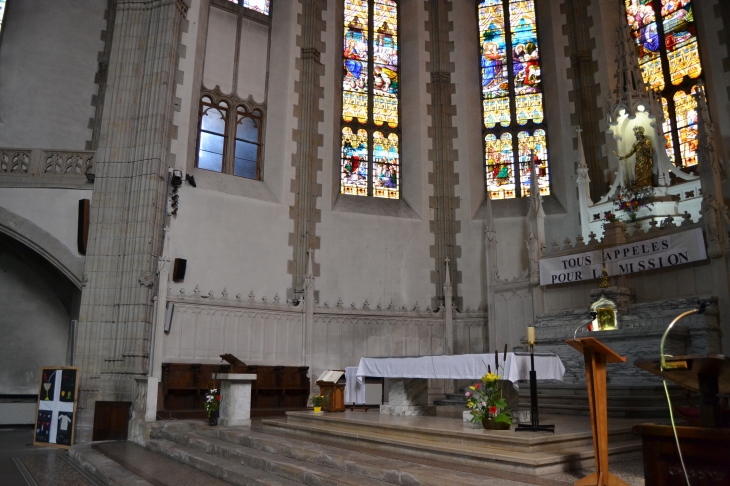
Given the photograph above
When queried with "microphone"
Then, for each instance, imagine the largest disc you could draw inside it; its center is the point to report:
(702, 307)
(593, 317)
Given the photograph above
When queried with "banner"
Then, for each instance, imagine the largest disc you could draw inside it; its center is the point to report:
(662, 252)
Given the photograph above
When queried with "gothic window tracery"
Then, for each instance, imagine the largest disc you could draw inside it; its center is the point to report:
(370, 130)
(669, 59)
(230, 136)
(512, 98)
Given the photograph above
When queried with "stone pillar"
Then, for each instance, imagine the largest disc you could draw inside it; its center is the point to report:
(128, 209)
(407, 396)
(443, 179)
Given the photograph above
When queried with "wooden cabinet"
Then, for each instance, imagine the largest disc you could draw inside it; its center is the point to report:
(111, 420)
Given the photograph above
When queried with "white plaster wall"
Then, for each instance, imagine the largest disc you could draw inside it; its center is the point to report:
(33, 325)
(253, 60)
(220, 50)
(230, 242)
(53, 210)
(234, 232)
(368, 256)
(557, 119)
(48, 60)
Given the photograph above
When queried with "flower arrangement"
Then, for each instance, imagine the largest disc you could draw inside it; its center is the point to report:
(317, 401)
(632, 198)
(609, 216)
(212, 401)
(486, 401)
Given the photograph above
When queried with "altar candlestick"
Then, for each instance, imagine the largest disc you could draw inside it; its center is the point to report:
(531, 335)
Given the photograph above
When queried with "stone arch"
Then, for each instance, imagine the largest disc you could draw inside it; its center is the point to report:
(44, 244)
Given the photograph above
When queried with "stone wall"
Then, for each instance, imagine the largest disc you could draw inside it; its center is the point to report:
(638, 337)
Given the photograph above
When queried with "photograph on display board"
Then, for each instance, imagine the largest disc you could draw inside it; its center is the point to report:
(56, 407)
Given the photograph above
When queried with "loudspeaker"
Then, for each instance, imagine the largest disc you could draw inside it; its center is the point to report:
(178, 271)
(82, 236)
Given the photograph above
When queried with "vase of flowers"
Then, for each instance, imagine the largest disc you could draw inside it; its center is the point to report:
(487, 403)
(317, 403)
(632, 198)
(212, 404)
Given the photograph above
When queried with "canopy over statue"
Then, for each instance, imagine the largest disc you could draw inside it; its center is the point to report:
(643, 171)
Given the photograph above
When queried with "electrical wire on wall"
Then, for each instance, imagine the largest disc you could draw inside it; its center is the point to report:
(700, 310)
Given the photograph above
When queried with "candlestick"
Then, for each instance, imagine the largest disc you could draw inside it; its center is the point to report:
(531, 335)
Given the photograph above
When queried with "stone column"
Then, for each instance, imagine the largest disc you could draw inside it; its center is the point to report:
(128, 209)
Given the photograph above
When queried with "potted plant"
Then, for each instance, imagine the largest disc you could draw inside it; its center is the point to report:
(487, 403)
(212, 404)
(317, 401)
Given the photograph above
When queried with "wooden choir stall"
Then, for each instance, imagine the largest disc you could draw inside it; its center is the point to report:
(276, 390)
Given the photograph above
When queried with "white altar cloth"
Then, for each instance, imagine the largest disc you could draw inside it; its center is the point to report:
(462, 367)
(354, 388)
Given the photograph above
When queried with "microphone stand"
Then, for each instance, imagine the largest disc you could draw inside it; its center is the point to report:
(535, 420)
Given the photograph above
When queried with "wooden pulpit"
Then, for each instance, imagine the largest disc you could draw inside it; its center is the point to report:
(596, 355)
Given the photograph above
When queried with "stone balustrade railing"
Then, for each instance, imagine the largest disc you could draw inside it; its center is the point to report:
(45, 167)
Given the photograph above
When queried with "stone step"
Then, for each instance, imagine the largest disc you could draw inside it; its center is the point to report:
(219, 466)
(613, 412)
(268, 460)
(505, 451)
(103, 469)
(326, 464)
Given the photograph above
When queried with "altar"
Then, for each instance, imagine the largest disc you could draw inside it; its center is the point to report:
(407, 375)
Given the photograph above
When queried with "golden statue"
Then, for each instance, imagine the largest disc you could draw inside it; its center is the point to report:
(643, 174)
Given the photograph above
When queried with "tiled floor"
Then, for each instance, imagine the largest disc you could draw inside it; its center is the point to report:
(44, 466)
(49, 467)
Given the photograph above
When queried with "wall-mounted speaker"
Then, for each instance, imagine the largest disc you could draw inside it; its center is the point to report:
(82, 236)
(178, 270)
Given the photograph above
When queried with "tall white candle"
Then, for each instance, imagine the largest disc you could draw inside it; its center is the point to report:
(531, 335)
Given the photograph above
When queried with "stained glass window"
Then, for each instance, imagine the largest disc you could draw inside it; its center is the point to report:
(512, 98)
(669, 58)
(261, 6)
(370, 157)
(2, 13)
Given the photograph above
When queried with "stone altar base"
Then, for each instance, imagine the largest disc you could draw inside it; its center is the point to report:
(406, 397)
(235, 407)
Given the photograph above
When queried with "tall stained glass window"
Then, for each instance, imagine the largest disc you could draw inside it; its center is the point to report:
(261, 6)
(670, 64)
(514, 131)
(370, 150)
(2, 13)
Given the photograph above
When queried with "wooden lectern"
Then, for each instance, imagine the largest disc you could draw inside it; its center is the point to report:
(596, 356)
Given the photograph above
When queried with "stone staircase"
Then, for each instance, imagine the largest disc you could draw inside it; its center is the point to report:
(448, 441)
(623, 401)
(241, 456)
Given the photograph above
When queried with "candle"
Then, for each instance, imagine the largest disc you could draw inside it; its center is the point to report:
(531, 335)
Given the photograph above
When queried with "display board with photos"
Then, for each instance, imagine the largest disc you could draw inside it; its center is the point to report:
(56, 410)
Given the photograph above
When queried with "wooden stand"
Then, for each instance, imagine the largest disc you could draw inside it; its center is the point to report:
(596, 356)
(334, 396)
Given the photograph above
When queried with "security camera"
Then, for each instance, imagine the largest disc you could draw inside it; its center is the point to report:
(177, 178)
